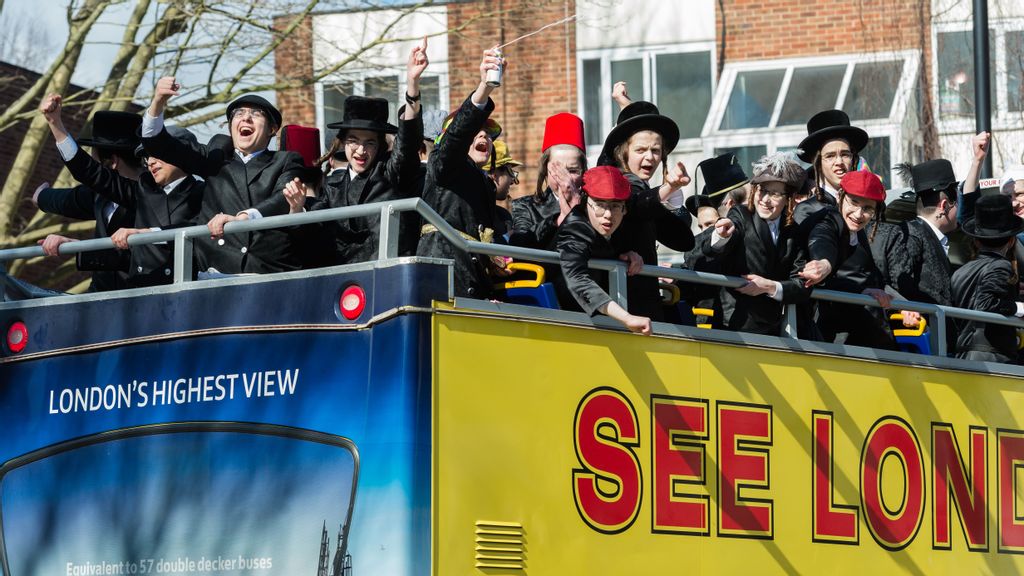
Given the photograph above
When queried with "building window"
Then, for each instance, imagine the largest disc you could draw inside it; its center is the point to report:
(763, 107)
(678, 79)
(954, 65)
(1015, 70)
(956, 72)
(390, 87)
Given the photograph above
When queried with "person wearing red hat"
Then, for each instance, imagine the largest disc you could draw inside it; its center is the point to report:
(989, 283)
(760, 242)
(536, 217)
(839, 258)
(460, 191)
(587, 233)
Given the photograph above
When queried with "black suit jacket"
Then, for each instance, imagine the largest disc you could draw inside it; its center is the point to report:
(645, 224)
(151, 264)
(750, 250)
(463, 195)
(395, 175)
(231, 187)
(984, 284)
(109, 267)
(577, 243)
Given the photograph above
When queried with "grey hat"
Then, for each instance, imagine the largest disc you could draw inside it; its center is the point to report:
(177, 132)
(780, 167)
(432, 123)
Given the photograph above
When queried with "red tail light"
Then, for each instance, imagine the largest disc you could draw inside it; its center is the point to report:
(352, 302)
(17, 337)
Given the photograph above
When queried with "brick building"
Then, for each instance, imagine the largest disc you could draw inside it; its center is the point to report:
(741, 75)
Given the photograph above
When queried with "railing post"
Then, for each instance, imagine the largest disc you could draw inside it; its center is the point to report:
(3, 282)
(617, 285)
(182, 257)
(388, 238)
(789, 327)
(938, 334)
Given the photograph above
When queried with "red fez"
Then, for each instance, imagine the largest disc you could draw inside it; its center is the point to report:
(563, 128)
(606, 183)
(304, 140)
(864, 184)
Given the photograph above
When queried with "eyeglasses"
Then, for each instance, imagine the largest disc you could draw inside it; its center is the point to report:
(868, 211)
(254, 113)
(775, 196)
(602, 208)
(833, 157)
(356, 143)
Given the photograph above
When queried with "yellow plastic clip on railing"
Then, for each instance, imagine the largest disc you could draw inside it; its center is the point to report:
(916, 331)
(669, 293)
(706, 312)
(1020, 339)
(528, 283)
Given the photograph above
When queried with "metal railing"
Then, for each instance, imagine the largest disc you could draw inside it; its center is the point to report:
(388, 248)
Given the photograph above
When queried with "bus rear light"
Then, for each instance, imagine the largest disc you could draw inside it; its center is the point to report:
(17, 337)
(352, 302)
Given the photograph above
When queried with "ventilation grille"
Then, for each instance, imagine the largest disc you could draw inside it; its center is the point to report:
(500, 545)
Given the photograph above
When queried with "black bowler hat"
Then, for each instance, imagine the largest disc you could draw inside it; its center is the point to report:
(993, 219)
(363, 113)
(830, 125)
(114, 130)
(637, 117)
(256, 102)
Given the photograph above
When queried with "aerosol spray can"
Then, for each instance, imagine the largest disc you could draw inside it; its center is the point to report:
(494, 76)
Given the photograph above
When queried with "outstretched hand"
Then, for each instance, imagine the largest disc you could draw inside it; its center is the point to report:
(815, 272)
(418, 61)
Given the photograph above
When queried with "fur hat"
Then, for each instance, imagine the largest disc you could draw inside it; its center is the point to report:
(780, 167)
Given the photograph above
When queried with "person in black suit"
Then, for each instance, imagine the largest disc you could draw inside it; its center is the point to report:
(989, 282)
(759, 241)
(460, 191)
(113, 141)
(832, 148)
(839, 258)
(249, 184)
(638, 145)
(374, 174)
(163, 197)
(587, 233)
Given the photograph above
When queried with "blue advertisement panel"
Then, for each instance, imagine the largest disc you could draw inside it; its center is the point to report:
(299, 452)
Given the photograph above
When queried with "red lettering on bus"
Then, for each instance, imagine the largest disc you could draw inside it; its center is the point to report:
(679, 430)
(892, 438)
(744, 436)
(968, 489)
(1010, 459)
(608, 487)
(832, 523)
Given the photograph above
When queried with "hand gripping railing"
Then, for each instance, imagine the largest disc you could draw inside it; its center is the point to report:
(388, 248)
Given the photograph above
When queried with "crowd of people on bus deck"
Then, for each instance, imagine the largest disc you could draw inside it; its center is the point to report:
(785, 229)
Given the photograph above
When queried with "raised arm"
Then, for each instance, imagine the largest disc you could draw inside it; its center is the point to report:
(193, 158)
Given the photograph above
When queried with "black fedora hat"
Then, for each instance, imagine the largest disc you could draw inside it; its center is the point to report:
(830, 125)
(932, 176)
(637, 117)
(698, 201)
(256, 102)
(721, 174)
(363, 113)
(993, 219)
(114, 130)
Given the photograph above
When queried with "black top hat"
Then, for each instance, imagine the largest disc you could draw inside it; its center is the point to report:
(114, 130)
(721, 174)
(363, 113)
(634, 118)
(993, 219)
(256, 102)
(830, 125)
(178, 133)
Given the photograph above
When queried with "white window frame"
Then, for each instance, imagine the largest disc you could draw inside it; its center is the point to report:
(773, 137)
(1002, 117)
(646, 92)
(359, 78)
